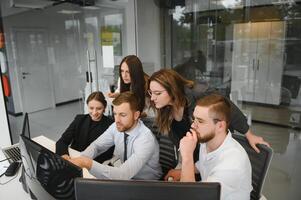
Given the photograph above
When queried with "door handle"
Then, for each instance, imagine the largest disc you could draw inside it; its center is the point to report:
(25, 73)
(257, 65)
(253, 66)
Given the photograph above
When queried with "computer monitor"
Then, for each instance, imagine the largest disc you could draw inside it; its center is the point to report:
(95, 189)
(47, 175)
(26, 129)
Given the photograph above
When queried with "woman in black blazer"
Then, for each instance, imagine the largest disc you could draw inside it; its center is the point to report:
(86, 128)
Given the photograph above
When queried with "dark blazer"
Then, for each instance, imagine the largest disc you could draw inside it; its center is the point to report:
(79, 136)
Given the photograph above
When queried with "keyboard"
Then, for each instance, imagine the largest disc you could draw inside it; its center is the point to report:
(12, 152)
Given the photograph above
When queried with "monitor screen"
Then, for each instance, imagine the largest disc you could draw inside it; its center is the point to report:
(26, 129)
(94, 189)
(47, 175)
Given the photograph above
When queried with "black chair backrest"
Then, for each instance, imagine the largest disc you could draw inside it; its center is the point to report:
(259, 161)
(168, 153)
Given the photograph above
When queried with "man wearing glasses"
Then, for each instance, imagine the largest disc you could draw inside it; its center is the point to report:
(221, 158)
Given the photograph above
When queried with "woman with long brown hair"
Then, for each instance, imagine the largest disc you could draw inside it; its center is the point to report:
(132, 78)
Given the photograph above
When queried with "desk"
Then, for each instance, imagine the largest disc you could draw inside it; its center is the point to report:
(14, 189)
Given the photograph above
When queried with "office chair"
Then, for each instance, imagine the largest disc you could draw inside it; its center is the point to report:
(260, 163)
(168, 152)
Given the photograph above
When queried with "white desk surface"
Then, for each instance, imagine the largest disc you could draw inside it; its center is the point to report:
(14, 189)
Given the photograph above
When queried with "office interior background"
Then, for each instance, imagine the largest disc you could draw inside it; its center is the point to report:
(248, 49)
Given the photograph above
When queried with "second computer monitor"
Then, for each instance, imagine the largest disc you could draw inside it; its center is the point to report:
(47, 175)
(26, 128)
(144, 190)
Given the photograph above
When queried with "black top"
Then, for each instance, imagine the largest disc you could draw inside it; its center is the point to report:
(179, 130)
(81, 133)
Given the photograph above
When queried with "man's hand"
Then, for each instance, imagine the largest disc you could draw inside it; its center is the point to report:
(188, 144)
(82, 162)
(253, 140)
(113, 95)
(66, 157)
(174, 173)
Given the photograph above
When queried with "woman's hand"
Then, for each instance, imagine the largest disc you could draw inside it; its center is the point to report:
(254, 139)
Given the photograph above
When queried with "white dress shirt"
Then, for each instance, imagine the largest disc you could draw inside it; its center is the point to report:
(142, 154)
(230, 166)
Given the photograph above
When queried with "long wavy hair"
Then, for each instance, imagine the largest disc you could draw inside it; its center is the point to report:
(175, 85)
(139, 81)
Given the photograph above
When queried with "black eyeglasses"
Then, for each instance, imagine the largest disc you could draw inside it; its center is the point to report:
(195, 120)
(200, 121)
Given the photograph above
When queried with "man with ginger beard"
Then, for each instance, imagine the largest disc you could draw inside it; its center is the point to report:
(135, 145)
(221, 158)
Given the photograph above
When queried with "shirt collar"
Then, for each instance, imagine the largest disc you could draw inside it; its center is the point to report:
(132, 133)
(216, 152)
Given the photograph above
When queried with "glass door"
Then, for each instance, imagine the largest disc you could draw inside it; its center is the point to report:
(58, 55)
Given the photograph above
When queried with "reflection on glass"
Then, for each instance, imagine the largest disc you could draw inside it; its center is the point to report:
(250, 47)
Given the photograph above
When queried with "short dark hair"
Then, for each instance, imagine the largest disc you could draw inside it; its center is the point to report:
(219, 107)
(127, 97)
(98, 96)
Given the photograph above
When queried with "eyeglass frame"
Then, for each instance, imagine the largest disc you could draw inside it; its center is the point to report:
(197, 121)
(156, 93)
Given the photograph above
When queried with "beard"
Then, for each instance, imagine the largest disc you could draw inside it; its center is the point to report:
(122, 128)
(205, 138)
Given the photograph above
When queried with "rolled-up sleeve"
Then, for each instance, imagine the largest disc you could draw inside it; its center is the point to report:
(144, 148)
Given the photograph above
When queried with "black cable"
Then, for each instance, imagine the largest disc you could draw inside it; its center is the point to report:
(30, 176)
(11, 178)
(5, 159)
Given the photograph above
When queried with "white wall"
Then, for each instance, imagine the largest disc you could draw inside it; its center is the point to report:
(148, 28)
(65, 55)
(4, 133)
(68, 59)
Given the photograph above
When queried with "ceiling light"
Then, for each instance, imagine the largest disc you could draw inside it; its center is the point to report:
(68, 12)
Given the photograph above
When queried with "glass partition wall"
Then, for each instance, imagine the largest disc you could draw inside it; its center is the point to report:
(246, 49)
(57, 54)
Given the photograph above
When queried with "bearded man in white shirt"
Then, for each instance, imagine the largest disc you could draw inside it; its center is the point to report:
(221, 158)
